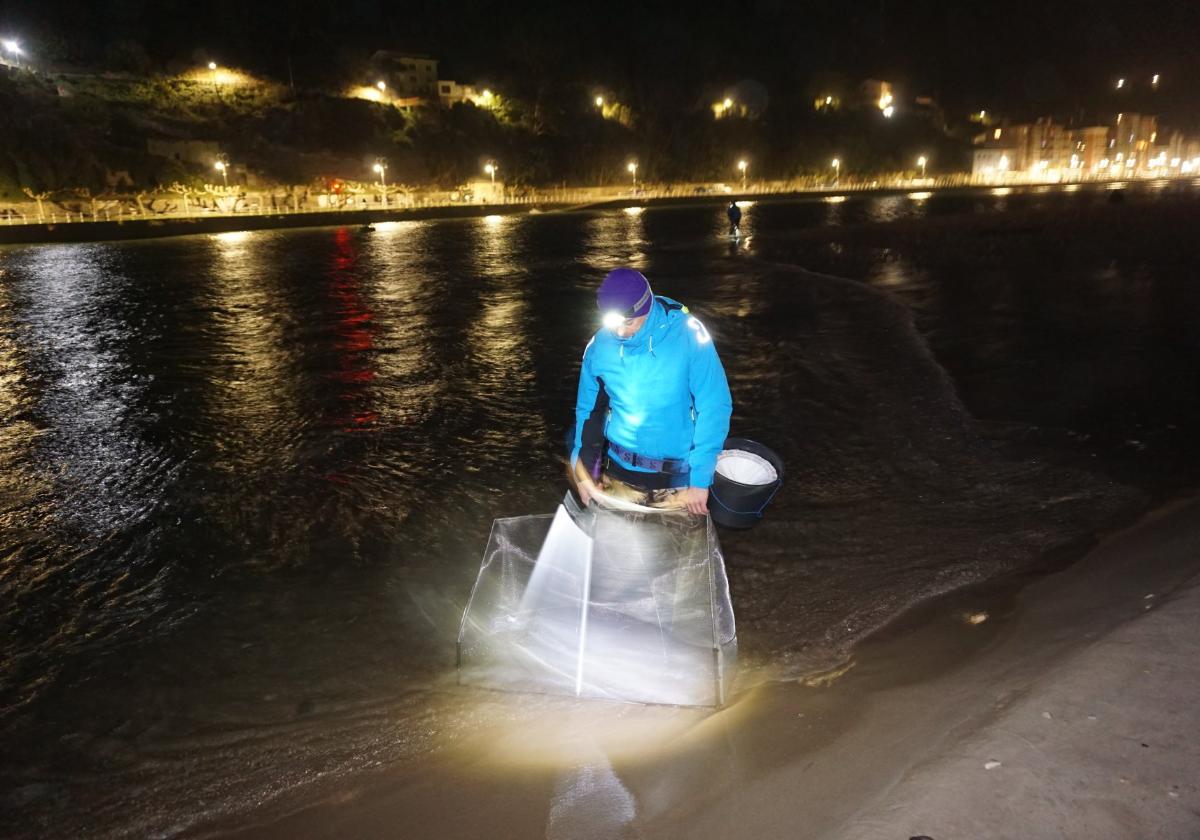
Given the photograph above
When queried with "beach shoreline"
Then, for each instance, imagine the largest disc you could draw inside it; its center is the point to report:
(901, 743)
(157, 227)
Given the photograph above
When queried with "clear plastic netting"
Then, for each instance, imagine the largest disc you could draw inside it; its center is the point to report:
(600, 603)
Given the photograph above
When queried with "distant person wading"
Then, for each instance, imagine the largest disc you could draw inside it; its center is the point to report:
(653, 406)
(735, 218)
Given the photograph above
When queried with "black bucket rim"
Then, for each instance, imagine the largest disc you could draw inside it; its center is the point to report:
(766, 454)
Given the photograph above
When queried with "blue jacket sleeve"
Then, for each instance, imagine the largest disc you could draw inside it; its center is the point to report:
(585, 401)
(712, 403)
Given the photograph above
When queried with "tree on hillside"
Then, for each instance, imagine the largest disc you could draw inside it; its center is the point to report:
(39, 198)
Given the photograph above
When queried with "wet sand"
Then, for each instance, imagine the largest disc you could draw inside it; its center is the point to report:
(1080, 684)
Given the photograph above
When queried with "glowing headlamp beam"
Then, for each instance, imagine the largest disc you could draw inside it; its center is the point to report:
(614, 319)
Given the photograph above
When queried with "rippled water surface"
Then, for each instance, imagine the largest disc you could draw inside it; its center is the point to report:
(245, 479)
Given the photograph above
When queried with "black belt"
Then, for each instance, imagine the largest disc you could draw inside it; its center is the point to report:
(670, 466)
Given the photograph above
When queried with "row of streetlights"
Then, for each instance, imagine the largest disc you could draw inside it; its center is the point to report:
(836, 164)
(491, 168)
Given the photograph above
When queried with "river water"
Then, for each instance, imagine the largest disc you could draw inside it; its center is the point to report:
(246, 479)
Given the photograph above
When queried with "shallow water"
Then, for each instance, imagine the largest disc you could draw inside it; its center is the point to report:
(245, 479)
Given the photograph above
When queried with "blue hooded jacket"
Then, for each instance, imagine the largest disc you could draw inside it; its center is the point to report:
(667, 392)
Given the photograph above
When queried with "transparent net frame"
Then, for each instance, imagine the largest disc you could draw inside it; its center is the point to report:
(620, 605)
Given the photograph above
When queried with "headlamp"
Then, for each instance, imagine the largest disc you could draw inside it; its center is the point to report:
(613, 319)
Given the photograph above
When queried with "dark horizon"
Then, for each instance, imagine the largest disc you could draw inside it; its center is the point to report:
(1023, 62)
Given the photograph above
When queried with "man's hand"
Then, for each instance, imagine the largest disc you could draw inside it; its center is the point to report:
(695, 499)
(586, 490)
(584, 486)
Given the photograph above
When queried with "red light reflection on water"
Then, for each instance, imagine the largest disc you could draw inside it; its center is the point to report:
(354, 335)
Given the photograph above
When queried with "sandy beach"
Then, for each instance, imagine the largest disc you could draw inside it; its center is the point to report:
(1059, 708)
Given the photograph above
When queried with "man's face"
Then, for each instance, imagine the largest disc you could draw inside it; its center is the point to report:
(629, 327)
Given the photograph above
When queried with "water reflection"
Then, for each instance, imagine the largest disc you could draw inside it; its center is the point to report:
(252, 389)
(21, 487)
(834, 209)
(889, 208)
(404, 338)
(617, 239)
(80, 346)
(353, 338)
(500, 344)
(891, 273)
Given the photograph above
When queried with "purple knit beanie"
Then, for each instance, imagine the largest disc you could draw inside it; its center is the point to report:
(625, 291)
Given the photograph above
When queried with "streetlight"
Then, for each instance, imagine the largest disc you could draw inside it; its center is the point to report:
(599, 101)
(490, 169)
(837, 169)
(212, 65)
(381, 168)
(632, 167)
(222, 166)
(742, 165)
(1120, 83)
(921, 161)
(382, 85)
(13, 46)
(1154, 80)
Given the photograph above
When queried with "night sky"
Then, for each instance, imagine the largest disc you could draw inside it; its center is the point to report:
(1023, 59)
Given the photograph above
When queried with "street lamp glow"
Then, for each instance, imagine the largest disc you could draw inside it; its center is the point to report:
(490, 168)
(1003, 165)
(13, 46)
(728, 103)
(599, 101)
(632, 168)
(742, 166)
(222, 166)
(380, 168)
(921, 161)
(212, 65)
(381, 84)
(1120, 83)
(888, 111)
(1154, 80)
(836, 163)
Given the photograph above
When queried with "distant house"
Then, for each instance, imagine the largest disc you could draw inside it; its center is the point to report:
(875, 93)
(451, 92)
(994, 161)
(407, 74)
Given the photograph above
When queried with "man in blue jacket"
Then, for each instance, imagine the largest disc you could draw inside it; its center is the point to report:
(653, 407)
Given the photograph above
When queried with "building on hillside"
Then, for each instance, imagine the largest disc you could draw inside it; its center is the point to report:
(450, 92)
(993, 161)
(406, 74)
(875, 93)
(1042, 148)
(1091, 146)
(1132, 137)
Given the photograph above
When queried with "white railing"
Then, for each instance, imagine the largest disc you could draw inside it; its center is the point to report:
(258, 204)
